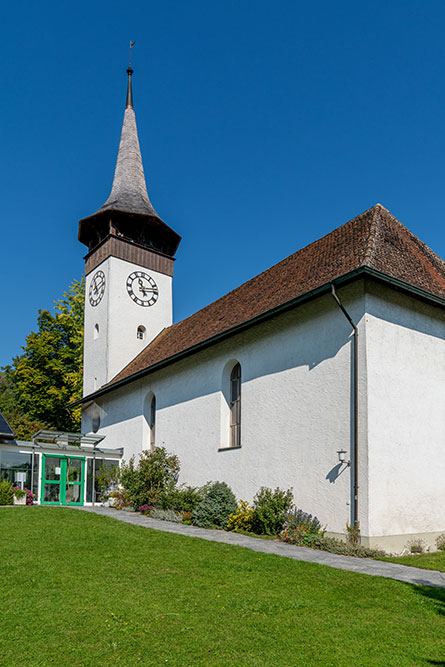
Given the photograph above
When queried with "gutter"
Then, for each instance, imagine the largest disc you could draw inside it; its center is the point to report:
(355, 520)
(307, 296)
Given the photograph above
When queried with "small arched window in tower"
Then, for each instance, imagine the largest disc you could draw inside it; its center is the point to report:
(235, 406)
(152, 422)
(96, 331)
(96, 423)
(140, 333)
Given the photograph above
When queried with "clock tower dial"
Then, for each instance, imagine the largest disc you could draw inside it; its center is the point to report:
(97, 288)
(142, 289)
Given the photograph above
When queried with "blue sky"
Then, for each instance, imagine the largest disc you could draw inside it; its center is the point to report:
(263, 126)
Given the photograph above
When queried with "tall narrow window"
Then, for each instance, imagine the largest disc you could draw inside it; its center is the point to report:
(140, 333)
(235, 406)
(152, 423)
(96, 331)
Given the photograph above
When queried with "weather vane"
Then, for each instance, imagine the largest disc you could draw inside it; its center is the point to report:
(129, 58)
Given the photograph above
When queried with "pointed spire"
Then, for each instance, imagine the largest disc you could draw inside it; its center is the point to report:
(129, 89)
(129, 190)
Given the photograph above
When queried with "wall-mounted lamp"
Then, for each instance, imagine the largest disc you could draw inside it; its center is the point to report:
(342, 457)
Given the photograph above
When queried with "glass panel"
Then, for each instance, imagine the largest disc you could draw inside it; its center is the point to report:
(12, 463)
(51, 493)
(74, 470)
(35, 490)
(73, 493)
(100, 463)
(52, 467)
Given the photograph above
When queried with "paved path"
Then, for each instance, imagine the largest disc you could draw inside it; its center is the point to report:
(410, 575)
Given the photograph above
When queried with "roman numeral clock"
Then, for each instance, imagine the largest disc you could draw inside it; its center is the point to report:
(142, 289)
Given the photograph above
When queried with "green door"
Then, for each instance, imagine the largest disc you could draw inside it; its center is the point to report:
(62, 480)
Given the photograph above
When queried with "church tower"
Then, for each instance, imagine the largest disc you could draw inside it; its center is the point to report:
(128, 267)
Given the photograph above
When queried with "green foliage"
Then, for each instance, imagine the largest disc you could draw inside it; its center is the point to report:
(353, 533)
(120, 499)
(302, 538)
(241, 520)
(440, 542)
(153, 478)
(270, 508)
(18, 492)
(183, 498)
(416, 546)
(166, 515)
(214, 511)
(106, 477)
(35, 390)
(6, 493)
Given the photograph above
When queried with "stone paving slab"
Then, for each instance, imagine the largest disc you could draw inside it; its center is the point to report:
(410, 575)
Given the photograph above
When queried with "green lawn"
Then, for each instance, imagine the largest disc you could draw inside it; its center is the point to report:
(79, 589)
(429, 561)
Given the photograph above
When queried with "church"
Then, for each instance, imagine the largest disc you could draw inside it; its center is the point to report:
(324, 374)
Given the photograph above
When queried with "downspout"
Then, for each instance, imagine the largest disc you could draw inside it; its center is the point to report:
(355, 406)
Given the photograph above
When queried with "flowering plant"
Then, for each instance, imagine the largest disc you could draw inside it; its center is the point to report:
(146, 509)
(242, 518)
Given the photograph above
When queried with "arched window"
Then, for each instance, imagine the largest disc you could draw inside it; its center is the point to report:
(152, 422)
(96, 331)
(96, 423)
(235, 406)
(140, 333)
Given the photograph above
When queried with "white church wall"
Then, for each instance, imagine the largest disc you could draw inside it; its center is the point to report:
(118, 318)
(296, 410)
(406, 413)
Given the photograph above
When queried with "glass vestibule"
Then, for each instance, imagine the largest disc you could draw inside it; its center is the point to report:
(63, 479)
(13, 462)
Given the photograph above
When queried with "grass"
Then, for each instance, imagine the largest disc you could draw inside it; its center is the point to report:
(428, 561)
(80, 589)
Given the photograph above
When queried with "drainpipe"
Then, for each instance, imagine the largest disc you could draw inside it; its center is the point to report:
(355, 406)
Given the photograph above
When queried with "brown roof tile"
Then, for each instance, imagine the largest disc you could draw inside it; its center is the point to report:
(374, 239)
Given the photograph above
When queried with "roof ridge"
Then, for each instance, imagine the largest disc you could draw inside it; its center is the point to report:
(372, 238)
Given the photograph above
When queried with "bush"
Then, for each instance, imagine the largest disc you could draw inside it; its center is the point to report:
(183, 499)
(440, 542)
(146, 509)
(153, 478)
(214, 511)
(242, 518)
(270, 509)
(6, 493)
(29, 497)
(416, 546)
(166, 515)
(120, 499)
(331, 544)
(298, 518)
(18, 492)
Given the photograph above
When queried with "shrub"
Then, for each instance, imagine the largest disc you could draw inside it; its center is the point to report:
(6, 494)
(416, 546)
(107, 479)
(270, 509)
(153, 478)
(242, 518)
(29, 497)
(331, 544)
(18, 492)
(120, 499)
(299, 519)
(353, 533)
(183, 498)
(166, 515)
(214, 511)
(146, 509)
(440, 542)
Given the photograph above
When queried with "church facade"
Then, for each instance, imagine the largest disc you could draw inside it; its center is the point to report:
(325, 373)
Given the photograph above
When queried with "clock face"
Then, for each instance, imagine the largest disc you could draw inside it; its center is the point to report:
(142, 288)
(97, 288)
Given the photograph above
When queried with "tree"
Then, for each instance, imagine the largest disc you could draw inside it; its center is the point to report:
(34, 392)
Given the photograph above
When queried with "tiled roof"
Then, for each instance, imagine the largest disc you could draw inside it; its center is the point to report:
(374, 239)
